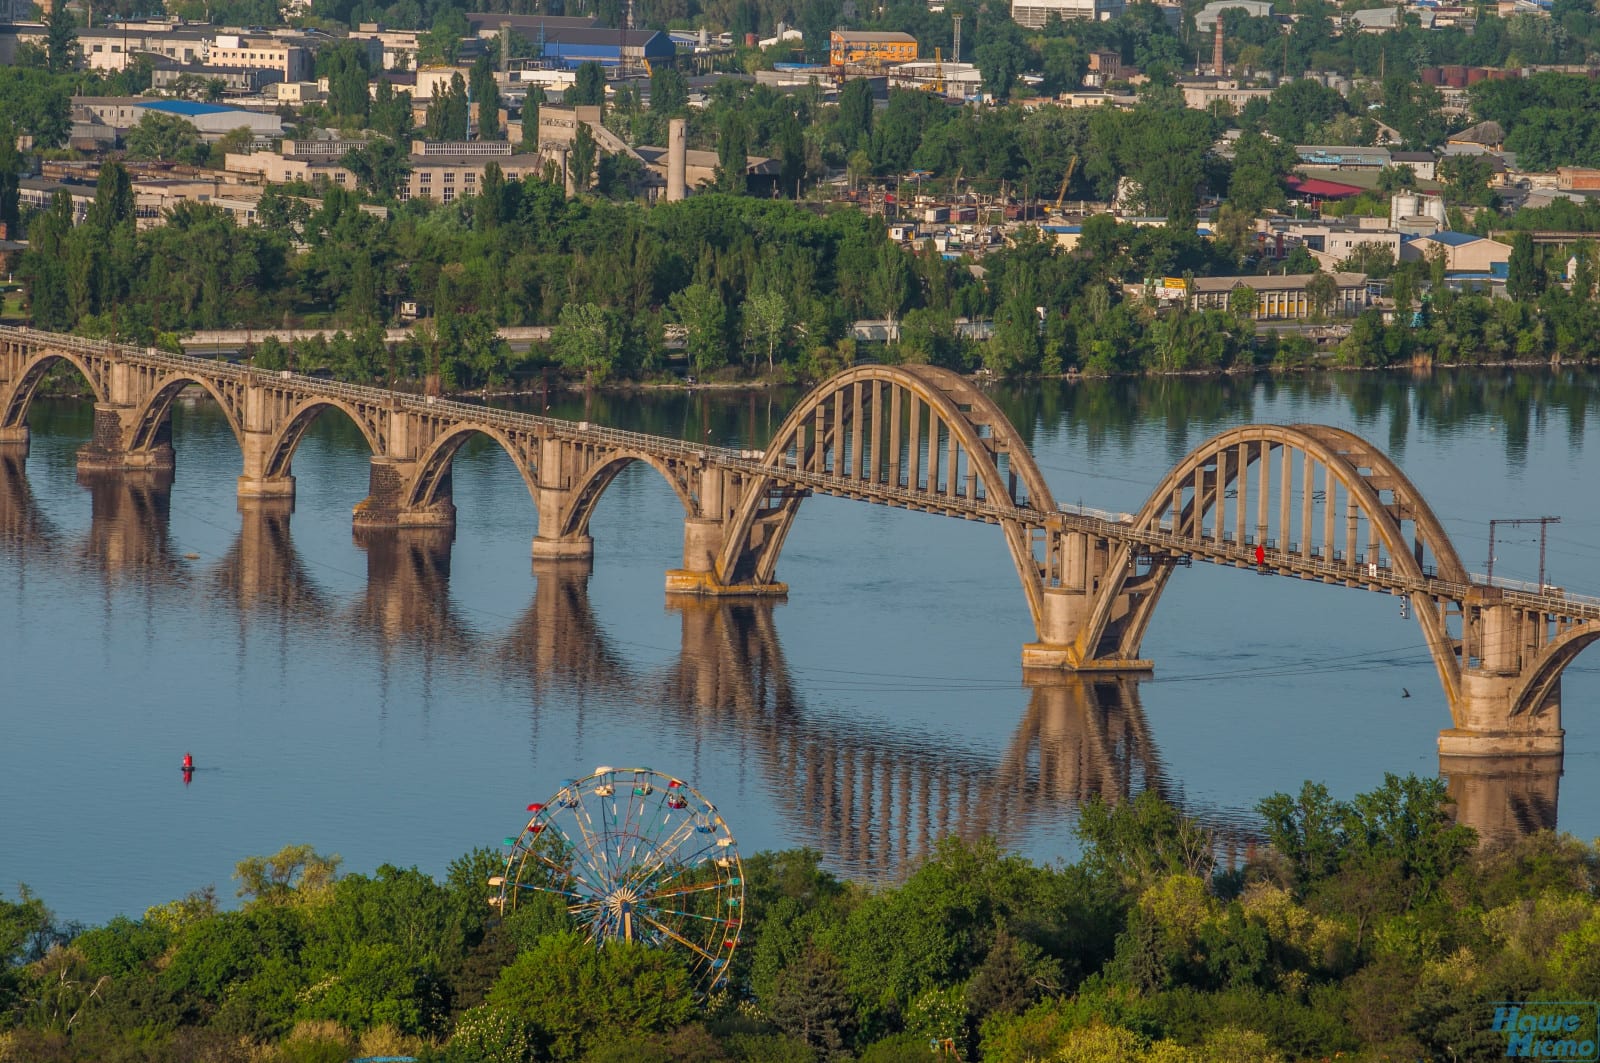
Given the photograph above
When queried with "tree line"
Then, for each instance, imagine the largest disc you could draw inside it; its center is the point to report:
(1369, 928)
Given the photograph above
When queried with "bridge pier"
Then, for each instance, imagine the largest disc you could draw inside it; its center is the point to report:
(1065, 614)
(554, 498)
(107, 449)
(258, 480)
(1490, 722)
(1487, 727)
(702, 544)
(15, 439)
(385, 505)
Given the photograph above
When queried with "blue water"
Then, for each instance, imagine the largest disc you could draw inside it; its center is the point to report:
(402, 701)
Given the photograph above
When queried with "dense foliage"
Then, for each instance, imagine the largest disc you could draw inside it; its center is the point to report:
(1371, 928)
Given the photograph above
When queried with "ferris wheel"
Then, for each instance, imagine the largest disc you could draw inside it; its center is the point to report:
(635, 856)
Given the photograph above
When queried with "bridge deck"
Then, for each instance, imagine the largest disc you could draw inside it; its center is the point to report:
(1119, 529)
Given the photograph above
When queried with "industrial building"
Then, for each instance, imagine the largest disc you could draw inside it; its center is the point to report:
(638, 49)
(856, 48)
(1035, 13)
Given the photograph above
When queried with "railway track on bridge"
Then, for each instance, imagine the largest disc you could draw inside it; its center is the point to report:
(1323, 504)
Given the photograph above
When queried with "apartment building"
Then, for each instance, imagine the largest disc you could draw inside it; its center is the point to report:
(290, 61)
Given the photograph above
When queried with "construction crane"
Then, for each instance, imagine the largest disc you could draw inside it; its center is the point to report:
(938, 72)
(1066, 179)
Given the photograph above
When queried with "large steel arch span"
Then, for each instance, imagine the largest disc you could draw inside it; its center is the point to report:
(1192, 504)
(14, 403)
(911, 435)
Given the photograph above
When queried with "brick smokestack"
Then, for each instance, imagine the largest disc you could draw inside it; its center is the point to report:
(677, 161)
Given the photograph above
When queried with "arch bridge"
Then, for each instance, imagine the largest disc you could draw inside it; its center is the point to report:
(1307, 501)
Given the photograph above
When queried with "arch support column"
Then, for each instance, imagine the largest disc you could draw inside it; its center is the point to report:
(256, 481)
(108, 448)
(388, 484)
(1066, 612)
(1486, 726)
(703, 540)
(553, 542)
(1489, 721)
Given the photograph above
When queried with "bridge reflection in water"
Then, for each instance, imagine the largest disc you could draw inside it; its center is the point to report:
(872, 802)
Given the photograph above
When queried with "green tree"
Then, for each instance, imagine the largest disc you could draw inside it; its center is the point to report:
(293, 872)
(440, 45)
(1259, 167)
(390, 111)
(530, 120)
(766, 322)
(1401, 178)
(588, 86)
(1296, 110)
(380, 166)
(10, 179)
(61, 39)
(669, 91)
(486, 94)
(703, 313)
(37, 104)
(1001, 59)
(345, 67)
(448, 111)
(1466, 179)
(1524, 275)
(855, 115)
(733, 141)
(1323, 292)
(588, 338)
(582, 157)
(164, 138)
(574, 998)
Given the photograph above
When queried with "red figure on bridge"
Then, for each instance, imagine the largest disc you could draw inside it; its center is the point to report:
(1261, 554)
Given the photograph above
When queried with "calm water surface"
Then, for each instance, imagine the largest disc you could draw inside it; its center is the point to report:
(401, 699)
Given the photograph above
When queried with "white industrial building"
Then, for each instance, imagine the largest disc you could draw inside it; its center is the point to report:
(1035, 13)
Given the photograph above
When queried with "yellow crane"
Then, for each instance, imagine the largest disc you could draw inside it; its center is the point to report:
(938, 71)
(1066, 179)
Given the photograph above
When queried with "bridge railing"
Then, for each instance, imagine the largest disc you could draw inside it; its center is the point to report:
(1117, 526)
(317, 386)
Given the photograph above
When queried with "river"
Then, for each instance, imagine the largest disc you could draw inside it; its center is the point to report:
(402, 699)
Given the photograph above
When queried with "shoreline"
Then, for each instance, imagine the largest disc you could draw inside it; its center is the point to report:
(980, 377)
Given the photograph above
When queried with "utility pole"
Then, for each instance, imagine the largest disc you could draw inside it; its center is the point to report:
(1544, 525)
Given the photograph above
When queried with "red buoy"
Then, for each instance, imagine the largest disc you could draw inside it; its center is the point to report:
(188, 762)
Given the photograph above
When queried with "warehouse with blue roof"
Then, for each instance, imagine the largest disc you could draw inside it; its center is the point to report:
(213, 120)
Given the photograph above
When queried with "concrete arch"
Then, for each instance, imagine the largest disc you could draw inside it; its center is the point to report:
(293, 429)
(1531, 695)
(158, 406)
(1386, 475)
(436, 462)
(1328, 449)
(587, 491)
(973, 422)
(14, 410)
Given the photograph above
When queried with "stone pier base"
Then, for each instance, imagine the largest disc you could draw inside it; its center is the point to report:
(576, 548)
